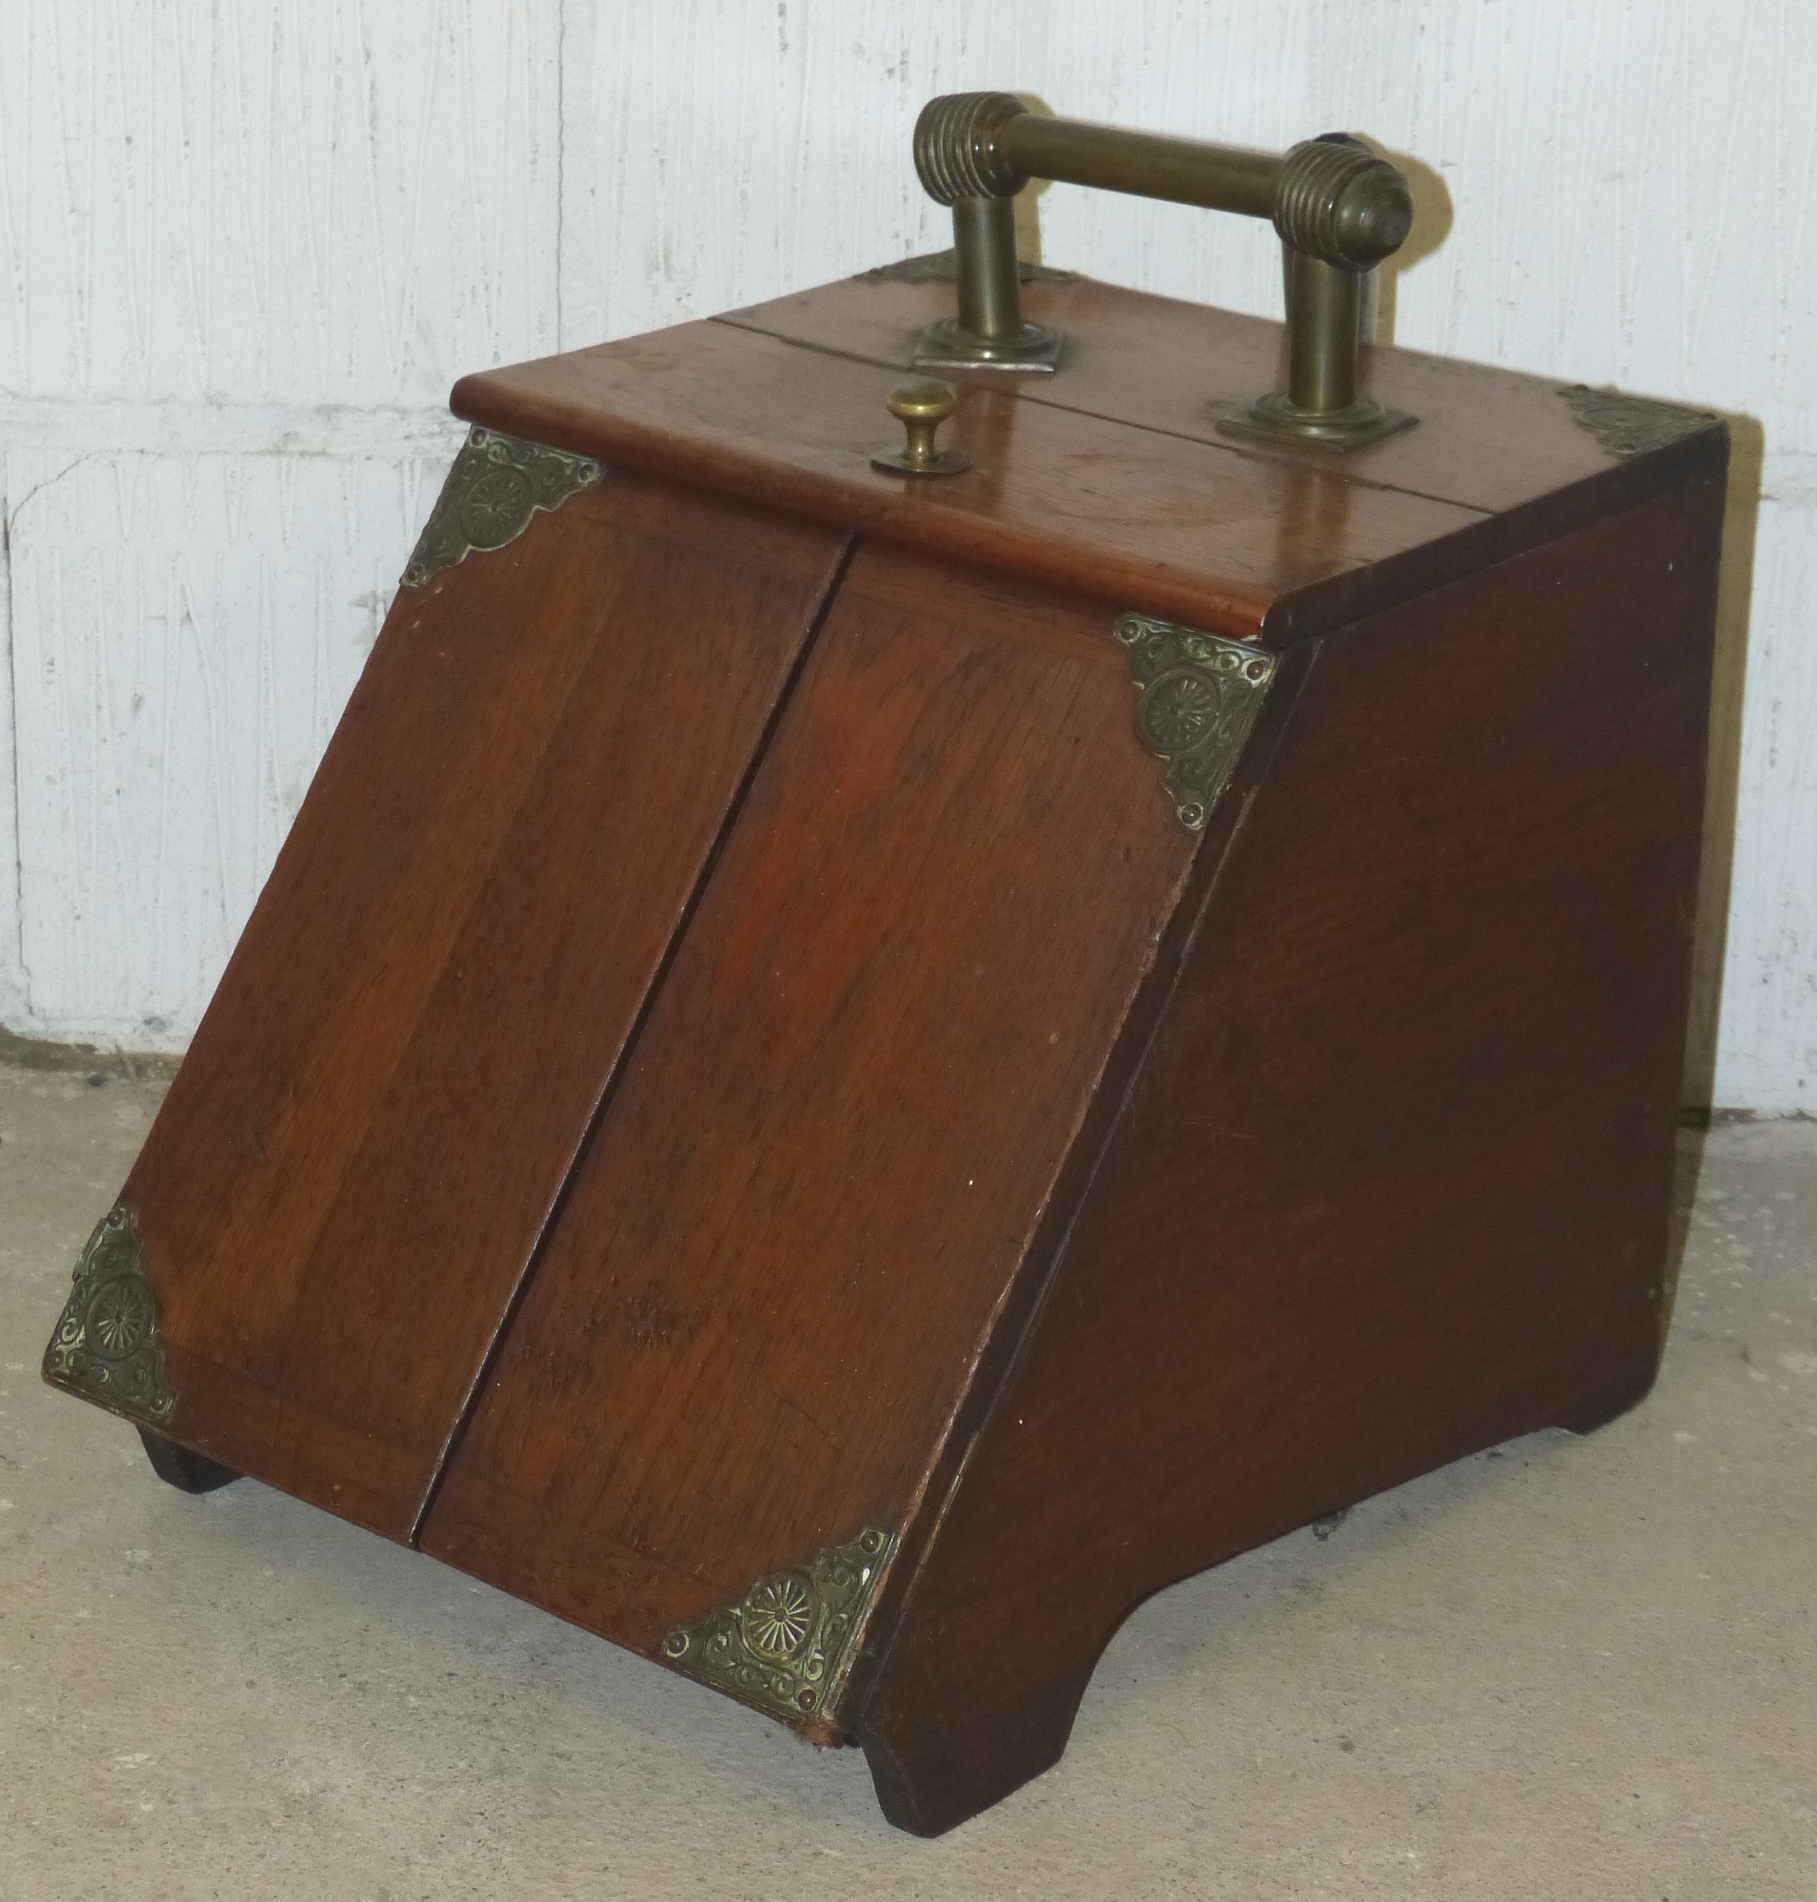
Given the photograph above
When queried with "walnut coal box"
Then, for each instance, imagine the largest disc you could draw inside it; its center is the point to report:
(905, 1010)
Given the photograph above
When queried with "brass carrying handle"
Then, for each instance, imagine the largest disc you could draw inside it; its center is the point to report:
(1339, 210)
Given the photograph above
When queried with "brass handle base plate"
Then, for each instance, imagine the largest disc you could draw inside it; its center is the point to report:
(942, 462)
(947, 346)
(1273, 419)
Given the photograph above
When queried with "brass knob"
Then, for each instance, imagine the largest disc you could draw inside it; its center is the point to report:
(921, 407)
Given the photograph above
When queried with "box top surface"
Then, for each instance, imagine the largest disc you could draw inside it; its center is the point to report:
(1110, 475)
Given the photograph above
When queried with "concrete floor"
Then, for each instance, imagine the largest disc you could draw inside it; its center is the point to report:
(1567, 1668)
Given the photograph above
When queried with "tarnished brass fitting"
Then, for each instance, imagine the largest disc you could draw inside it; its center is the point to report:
(921, 406)
(1339, 210)
(958, 152)
(1336, 201)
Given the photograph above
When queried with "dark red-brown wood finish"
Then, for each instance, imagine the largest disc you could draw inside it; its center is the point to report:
(378, 1112)
(784, 1255)
(739, 1052)
(1392, 1185)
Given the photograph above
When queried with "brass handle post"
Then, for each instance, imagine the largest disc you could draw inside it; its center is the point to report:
(984, 245)
(1322, 307)
(1338, 208)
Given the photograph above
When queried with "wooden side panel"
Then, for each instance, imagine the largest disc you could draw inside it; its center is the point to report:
(351, 1170)
(783, 1255)
(1393, 1183)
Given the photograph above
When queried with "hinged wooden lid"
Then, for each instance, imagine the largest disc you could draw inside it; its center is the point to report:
(1110, 476)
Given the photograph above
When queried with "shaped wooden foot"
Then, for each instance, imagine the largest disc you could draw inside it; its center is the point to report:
(1616, 1386)
(1599, 1410)
(938, 1764)
(177, 1466)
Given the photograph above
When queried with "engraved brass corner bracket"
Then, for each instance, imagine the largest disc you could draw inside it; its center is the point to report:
(1632, 425)
(106, 1346)
(497, 483)
(1199, 695)
(787, 1645)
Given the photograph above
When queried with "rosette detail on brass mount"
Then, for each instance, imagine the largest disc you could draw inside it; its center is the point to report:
(1199, 695)
(106, 1345)
(497, 483)
(786, 1645)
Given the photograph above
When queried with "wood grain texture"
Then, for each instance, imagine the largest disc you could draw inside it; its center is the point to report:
(1392, 1185)
(1177, 367)
(1058, 497)
(355, 1162)
(807, 1207)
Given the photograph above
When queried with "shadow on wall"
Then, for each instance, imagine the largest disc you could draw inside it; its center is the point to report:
(1734, 602)
(1027, 200)
(1432, 221)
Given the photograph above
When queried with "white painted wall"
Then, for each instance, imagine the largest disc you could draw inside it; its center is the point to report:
(245, 247)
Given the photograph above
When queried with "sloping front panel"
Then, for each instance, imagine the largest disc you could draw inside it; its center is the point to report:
(411, 1040)
(782, 1255)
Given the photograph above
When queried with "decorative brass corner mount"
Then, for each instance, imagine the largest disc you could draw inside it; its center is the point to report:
(1199, 696)
(106, 1346)
(1631, 425)
(787, 1645)
(497, 483)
